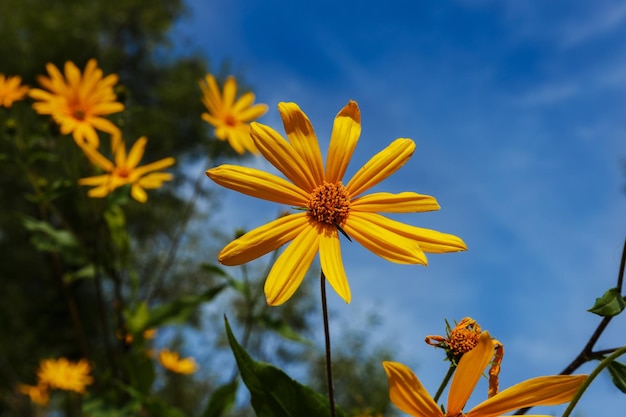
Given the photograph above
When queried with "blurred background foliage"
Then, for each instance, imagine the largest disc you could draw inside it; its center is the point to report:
(145, 255)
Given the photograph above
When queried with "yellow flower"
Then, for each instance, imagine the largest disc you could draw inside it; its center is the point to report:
(11, 90)
(230, 118)
(171, 360)
(65, 375)
(410, 396)
(461, 339)
(328, 207)
(76, 102)
(38, 394)
(125, 171)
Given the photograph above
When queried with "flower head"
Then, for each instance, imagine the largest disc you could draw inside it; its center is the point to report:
(460, 340)
(65, 375)
(125, 171)
(171, 361)
(77, 102)
(231, 118)
(327, 206)
(410, 396)
(11, 90)
(38, 394)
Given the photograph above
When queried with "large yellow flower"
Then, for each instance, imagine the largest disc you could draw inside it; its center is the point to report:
(125, 171)
(65, 375)
(230, 118)
(328, 206)
(77, 102)
(410, 396)
(11, 90)
(171, 361)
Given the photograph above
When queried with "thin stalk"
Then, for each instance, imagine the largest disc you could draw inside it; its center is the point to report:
(445, 381)
(590, 378)
(329, 370)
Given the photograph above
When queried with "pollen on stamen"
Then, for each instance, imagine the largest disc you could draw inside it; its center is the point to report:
(329, 203)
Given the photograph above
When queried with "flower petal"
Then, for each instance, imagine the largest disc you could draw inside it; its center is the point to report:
(263, 239)
(291, 266)
(259, 184)
(382, 165)
(302, 137)
(428, 240)
(544, 390)
(331, 262)
(283, 156)
(135, 154)
(343, 140)
(406, 202)
(468, 372)
(407, 392)
(383, 242)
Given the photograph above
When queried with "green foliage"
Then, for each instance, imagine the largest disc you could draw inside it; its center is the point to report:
(617, 370)
(273, 393)
(610, 304)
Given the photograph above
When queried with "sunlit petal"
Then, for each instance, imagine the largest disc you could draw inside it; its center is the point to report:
(263, 239)
(291, 266)
(331, 262)
(407, 392)
(343, 140)
(406, 202)
(381, 166)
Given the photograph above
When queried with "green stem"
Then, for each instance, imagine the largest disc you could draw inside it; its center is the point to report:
(590, 378)
(445, 381)
(329, 370)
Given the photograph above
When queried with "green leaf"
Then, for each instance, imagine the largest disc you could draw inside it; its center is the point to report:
(222, 400)
(610, 304)
(86, 272)
(618, 375)
(137, 318)
(236, 284)
(48, 239)
(281, 327)
(273, 393)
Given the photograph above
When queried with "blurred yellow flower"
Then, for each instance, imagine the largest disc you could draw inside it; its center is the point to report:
(77, 102)
(171, 361)
(65, 375)
(125, 171)
(230, 118)
(38, 394)
(327, 206)
(11, 90)
(410, 396)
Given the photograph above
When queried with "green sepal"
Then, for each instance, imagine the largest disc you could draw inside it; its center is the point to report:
(610, 304)
(272, 392)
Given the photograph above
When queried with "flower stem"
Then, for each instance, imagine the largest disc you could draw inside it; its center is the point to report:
(605, 362)
(445, 381)
(329, 370)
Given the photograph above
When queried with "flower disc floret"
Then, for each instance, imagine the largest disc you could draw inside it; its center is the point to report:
(329, 203)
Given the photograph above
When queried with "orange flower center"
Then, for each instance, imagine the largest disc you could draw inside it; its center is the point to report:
(230, 120)
(464, 338)
(79, 114)
(329, 203)
(122, 172)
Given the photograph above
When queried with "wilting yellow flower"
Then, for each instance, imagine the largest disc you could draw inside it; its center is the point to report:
(38, 394)
(77, 102)
(170, 360)
(328, 207)
(410, 396)
(461, 339)
(65, 375)
(230, 118)
(125, 171)
(11, 90)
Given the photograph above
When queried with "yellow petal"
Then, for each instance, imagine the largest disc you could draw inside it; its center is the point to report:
(382, 242)
(154, 166)
(252, 113)
(468, 372)
(263, 239)
(283, 156)
(407, 392)
(302, 137)
(97, 158)
(382, 165)
(428, 240)
(138, 193)
(259, 184)
(331, 262)
(343, 140)
(406, 202)
(291, 266)
(135, 154)
(230, 91)
(545, 390)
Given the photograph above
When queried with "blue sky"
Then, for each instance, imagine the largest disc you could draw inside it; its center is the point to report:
(518, 109)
